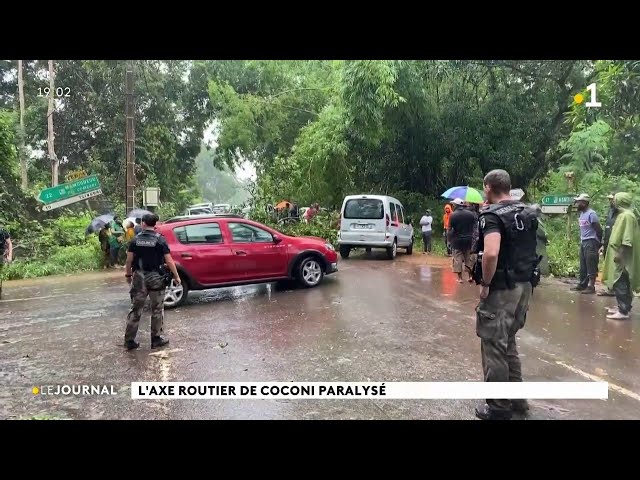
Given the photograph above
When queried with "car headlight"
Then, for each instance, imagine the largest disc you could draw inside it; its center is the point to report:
(329, 246)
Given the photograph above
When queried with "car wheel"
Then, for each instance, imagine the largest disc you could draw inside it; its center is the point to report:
(410, 248)
(345, 251)
(175, 295)
(392, 251)
(310, 272)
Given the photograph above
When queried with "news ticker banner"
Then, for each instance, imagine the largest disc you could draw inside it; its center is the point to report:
(370, 390)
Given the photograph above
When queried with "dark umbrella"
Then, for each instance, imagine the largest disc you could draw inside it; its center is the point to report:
(138, 213)
(99, 223)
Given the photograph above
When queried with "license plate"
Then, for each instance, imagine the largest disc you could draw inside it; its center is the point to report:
(358, 226)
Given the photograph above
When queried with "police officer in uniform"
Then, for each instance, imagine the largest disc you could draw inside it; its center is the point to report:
(507, 272)
(147, 256)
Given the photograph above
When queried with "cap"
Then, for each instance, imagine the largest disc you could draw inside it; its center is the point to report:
(458, 201)
(583, 197)
(611, 196)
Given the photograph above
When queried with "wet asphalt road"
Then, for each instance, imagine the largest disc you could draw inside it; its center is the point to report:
(375, 320)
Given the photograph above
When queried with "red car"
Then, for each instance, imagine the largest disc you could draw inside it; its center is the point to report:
(214, 251)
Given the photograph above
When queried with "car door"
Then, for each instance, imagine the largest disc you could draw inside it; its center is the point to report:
(257, 255)
(394, 224)
(204, 254)
(405, 230)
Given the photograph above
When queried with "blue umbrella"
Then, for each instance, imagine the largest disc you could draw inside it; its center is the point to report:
(466, 194)
(99, 223)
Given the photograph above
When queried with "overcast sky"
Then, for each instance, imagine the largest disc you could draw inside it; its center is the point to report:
(246, 171)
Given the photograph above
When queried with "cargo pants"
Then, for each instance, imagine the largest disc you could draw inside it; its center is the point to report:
(498, 319)
(139, 295)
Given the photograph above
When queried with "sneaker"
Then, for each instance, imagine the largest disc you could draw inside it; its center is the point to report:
(577, 288)
(484, 412)
(131, 344)
(612, 310)
(588, 291)
(618, 316)
(157, 342)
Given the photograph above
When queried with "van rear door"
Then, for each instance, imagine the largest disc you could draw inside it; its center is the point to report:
(363, 220)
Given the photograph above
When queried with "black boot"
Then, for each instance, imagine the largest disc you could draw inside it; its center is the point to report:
(131, 344)
(520, 406)
(158, 341)
(484, 412)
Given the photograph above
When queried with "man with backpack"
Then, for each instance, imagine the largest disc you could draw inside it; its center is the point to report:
(147, 255)
(507, 271)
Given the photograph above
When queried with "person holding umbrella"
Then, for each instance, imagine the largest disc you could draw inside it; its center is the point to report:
(115, 234)
(461, 232)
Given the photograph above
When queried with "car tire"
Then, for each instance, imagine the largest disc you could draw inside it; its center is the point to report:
(310, 272)
(392, 251)
(410, 248)
(176, 296)
(345, 251)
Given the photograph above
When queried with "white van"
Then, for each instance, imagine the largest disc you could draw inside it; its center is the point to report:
(374, 221)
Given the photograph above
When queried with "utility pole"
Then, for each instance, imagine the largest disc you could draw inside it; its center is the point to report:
(23, 152)
(51, 134)
(570, 178)
(130, 139)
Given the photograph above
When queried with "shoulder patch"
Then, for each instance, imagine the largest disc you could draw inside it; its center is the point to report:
(483, 222)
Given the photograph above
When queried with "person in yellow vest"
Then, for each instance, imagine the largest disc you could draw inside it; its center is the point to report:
(129, 232)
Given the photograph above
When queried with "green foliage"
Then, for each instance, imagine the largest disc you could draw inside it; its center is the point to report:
(52, 247)
(63, 260)
(319, 228)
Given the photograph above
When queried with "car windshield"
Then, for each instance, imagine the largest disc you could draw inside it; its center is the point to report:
(367, 208)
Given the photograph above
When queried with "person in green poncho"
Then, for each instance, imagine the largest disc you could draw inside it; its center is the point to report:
(622, 261)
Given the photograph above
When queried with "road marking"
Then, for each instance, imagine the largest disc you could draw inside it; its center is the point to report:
(596, 378)
(36, 298)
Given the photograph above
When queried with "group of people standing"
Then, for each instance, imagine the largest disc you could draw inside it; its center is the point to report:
(113, 236)
(460, 223)
(618, 243)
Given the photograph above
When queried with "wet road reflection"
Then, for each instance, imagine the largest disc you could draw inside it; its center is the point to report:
(375, 320)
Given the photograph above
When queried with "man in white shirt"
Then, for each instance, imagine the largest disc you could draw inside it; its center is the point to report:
(426, 221)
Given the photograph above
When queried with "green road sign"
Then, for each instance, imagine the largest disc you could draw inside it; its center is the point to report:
(68, 190)
(565, 199)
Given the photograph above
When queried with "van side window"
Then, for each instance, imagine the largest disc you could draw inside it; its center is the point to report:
(393, 211)
(401, 214)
